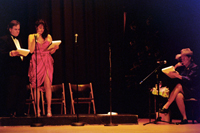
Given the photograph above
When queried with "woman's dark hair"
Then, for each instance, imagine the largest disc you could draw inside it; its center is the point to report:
(46, 30)
(13, 23)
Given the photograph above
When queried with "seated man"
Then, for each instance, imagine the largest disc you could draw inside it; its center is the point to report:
(186, 83)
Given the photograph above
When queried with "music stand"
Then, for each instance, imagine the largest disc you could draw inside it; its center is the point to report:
(157, 84)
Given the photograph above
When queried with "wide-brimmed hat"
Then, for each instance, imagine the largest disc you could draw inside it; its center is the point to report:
(185, 51)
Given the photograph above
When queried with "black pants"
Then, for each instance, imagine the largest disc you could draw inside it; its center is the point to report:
(15, 94)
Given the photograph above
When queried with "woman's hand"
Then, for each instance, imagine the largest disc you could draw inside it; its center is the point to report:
(179, 64)
(175, 74)
(54, 49)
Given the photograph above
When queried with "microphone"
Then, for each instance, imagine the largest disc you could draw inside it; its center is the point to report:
(162, 62)
(35, 38)
(76, 36)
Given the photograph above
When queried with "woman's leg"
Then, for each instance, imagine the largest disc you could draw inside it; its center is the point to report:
(177, 89)
(181, 105)
(47, 85)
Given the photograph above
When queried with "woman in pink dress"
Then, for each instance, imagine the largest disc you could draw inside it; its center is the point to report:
(44, 63)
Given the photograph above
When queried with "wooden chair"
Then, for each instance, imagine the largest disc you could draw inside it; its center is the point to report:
(193, 106)
(31, 99)
(58, 97)
(85, 96)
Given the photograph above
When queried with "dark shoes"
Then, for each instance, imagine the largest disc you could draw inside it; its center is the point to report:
(14, 115)
(185, 121)
(21, 115)
(11, 115)
(163, 110)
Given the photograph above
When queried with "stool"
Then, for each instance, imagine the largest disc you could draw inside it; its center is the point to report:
(192, 102)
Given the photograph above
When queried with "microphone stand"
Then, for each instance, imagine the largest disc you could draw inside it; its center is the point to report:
(77, 123)
(157, 84)
(110, 124)
(36, 124)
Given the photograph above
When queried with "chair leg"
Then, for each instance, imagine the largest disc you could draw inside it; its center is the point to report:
(94, 109)
(89, 108)
(192, 117)
(192, 113)
(28, 109)
(192, 108)
(34, 107)
(61, 108)
(65, 110)
(72, 108)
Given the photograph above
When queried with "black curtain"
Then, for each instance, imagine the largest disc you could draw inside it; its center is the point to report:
(97, 23)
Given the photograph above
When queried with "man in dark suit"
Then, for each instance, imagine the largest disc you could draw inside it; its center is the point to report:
(13, 89)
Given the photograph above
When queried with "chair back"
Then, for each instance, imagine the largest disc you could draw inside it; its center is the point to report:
(30, 93)
(84, 90)
(58, 91)
(81, 93)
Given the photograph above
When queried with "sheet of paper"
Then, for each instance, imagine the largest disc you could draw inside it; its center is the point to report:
(58, 42)
(23, 52)
(168, 69)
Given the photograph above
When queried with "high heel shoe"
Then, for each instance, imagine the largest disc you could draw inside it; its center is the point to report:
(163, 110)
(38, 113)
(49, 114)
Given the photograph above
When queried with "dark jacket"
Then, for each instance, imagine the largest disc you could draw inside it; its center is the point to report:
(190, 75)
(190, 80)
(11, 65)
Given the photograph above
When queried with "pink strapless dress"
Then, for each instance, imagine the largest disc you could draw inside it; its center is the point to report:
(44, 65)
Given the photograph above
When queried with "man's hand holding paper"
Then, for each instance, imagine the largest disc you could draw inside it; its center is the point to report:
(14, 53)
(23, 52)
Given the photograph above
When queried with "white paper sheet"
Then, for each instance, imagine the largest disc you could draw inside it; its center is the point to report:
(23, 52)
(58, 42)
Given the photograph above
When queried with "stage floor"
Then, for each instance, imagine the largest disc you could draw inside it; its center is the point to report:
(121, 128)
(69, 119)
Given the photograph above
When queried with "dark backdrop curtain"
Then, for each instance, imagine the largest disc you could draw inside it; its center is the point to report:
(97, 23)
